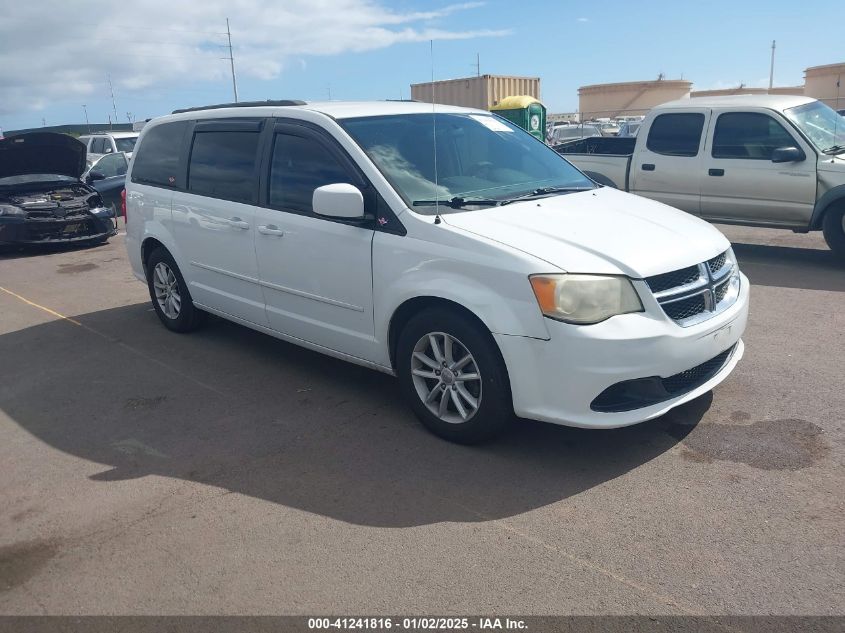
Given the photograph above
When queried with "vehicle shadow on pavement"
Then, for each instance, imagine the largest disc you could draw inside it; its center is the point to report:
(791, 267)
(241, 411)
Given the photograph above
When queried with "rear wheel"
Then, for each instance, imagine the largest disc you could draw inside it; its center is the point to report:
(833, 228)
(169, 294)
(453, 376)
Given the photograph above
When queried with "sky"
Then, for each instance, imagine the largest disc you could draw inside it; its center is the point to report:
(161, 55)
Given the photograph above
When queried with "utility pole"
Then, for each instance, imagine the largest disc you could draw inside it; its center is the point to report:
(772, 67)
(113, 104)
(86, 118)
(477, 65)
(232, 61)
(129, 117)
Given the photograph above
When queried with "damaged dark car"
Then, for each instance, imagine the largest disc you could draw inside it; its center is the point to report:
(43, 201)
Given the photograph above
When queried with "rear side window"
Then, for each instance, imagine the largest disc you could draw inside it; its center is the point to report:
(299, 166)
(748, 135)
(157, 160)
(97, 145)
(223, 165)
(676, 134)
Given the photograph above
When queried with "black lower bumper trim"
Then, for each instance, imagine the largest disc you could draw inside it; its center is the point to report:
(629, 395)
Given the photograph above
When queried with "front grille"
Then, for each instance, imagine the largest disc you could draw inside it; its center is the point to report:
(685, 308)
(643, 392)
(695, 293)
(74, 225)
(717, 263)
(673, 279)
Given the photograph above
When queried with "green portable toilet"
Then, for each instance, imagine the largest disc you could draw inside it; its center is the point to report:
(527, 112)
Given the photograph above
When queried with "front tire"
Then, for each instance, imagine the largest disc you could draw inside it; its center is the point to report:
(453, 376)
(833, 227)
(169, 294)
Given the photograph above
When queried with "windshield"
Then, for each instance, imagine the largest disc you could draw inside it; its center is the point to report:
(478, 157)
(125, 144)
(821, 124)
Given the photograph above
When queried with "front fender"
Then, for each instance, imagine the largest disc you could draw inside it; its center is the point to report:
(484, 280)
(832, 195)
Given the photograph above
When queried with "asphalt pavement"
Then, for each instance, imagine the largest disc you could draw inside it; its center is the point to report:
(226, 472)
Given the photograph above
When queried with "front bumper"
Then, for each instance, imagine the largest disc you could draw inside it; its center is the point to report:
(558, 380)
(92, 225)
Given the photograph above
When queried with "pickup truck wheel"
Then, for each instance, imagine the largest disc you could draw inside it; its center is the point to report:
(453, 376)
(169, 294)
(833, 228)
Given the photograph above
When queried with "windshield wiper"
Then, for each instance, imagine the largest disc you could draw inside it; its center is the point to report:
(834, 149)
(457, 202)
(545, 191)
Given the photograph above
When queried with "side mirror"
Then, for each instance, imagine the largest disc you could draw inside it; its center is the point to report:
(94, 175)
(339, 200)
(788, 155)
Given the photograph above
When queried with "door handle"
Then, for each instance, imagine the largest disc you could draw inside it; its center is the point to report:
(648, 167)
(716, 172)
(238, 223)
(270, 229)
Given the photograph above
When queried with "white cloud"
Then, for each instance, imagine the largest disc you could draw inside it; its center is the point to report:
(583, 20)
(55, 51)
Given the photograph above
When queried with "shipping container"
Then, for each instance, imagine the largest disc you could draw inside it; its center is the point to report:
(481, 92)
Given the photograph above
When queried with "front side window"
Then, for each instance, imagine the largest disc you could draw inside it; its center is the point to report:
(157, 160)
(299, 166)
(223, 165)
(112, 165)
(477, 157)
(748, 135)
(676, 134)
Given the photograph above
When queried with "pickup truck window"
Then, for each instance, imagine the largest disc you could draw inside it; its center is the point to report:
(748, 135)
(676, 134)
(822, 125)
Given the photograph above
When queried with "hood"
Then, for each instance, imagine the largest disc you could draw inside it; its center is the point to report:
(603, 231)
(42, 153)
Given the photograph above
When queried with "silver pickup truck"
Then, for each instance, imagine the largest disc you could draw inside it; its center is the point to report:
(760, 160)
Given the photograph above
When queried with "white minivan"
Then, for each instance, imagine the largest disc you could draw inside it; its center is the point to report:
(439, 244)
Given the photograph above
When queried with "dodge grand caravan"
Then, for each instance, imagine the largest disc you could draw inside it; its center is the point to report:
(439, 244)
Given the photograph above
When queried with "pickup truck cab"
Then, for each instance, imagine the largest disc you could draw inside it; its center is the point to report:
(443, 245)
(759, 160)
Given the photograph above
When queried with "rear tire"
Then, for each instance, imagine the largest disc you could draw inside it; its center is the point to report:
(169, 294)
(460, 390)
(833, 227)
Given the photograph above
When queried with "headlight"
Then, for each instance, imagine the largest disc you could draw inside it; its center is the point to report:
(584, 299)
(6, 209)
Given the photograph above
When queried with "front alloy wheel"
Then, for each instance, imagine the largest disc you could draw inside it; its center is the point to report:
(453, 375)
(167, 290)
(446, 377)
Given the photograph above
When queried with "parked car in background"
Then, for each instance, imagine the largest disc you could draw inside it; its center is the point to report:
(629, 129)
(42, 199)
(759, 160)
(563, 133)
(102, 143)
(608, 129)
(492, 280)
(107, 175)
(842, 112)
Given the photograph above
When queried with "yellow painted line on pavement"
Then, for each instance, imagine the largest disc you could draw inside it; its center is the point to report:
(111, 339)
(41, 307)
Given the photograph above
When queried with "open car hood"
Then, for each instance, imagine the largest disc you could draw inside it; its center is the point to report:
(42, 153)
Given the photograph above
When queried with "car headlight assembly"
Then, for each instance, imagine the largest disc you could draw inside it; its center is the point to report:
(584, 299)
(8, 210)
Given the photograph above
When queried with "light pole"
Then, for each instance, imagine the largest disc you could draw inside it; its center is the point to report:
(86, 117)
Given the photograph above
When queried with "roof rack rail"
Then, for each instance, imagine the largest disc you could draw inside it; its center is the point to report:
(242, 104)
